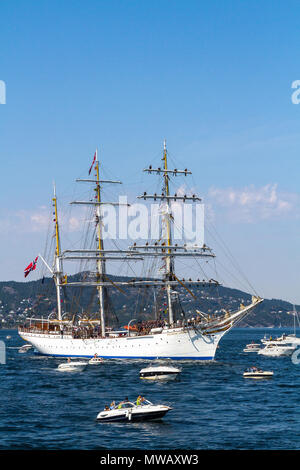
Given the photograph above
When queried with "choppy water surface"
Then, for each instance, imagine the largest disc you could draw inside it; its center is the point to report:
(214, 407)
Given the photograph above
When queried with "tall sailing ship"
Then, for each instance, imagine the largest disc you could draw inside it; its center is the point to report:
(171, 335)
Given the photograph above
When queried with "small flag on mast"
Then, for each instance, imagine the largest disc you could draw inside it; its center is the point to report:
(30, 267)
(94, 159)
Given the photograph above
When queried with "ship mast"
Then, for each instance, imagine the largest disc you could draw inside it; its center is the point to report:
(99, 254)
(101, 268)
(57, 259)
(169, 259)
(167, 250)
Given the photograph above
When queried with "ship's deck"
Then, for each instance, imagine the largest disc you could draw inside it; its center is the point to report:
(86, 332)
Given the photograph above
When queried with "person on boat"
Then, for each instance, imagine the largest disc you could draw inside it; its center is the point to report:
(112, 405)
(69, 359)
(122, 402)
(140, 400)
(106, 408)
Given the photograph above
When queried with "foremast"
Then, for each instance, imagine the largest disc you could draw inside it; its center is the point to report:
(57, 271)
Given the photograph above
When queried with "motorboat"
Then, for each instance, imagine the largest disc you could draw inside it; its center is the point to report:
(281, 340)
(159, 372)
(273, 340)
(277, 350)
(23, 349)
(128, 411)
(290, 339)
(255, 373)
(72, 366)
(252, 347)
(96, 360)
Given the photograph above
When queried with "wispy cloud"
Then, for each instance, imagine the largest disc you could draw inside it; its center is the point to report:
(248, 205)
(252, 203)
(35, 221)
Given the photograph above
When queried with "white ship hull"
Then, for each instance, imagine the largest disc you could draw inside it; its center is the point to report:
(174, 344)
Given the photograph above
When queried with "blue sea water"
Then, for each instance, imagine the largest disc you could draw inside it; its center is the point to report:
(214, 407)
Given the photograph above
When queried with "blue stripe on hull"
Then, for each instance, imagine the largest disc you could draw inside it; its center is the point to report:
(206, 358)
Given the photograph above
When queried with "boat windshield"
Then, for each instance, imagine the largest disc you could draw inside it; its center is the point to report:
(146, 402)
(126, 405)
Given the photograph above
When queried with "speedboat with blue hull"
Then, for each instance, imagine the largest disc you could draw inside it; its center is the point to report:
(128, 411)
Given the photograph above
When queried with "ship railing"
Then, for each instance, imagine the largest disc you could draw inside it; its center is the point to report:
(39, 331)
(143, 329)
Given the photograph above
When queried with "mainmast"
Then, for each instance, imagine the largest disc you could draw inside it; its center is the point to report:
(167, 250)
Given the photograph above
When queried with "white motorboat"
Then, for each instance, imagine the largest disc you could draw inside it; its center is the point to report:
(281, 340)
(255, 373)
(23, 349)
(293, 339)
(252, 347)
(96, 360)
(276, 350)
(159, 372)
(290, 339)
(128, 411)
(72, 366)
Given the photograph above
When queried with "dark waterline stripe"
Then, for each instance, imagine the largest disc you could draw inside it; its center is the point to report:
(206, 358)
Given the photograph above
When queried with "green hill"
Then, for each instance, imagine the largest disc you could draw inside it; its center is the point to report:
(19, 300)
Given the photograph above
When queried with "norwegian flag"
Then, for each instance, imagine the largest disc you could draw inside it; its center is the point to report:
(95, 156)
(30, 267)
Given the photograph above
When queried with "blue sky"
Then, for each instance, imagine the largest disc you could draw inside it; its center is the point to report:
(212, 77)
